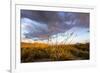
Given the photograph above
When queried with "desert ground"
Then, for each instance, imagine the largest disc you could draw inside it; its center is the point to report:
(42, 52)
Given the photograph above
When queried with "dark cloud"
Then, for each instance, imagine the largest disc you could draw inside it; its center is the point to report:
(44, 23)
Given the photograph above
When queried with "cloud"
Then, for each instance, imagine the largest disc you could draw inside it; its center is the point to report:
(31, 29)
(41, 24)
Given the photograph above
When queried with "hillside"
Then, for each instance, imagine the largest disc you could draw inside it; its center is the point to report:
(41, 52)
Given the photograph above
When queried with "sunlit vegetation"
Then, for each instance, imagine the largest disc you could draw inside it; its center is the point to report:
(41, 52)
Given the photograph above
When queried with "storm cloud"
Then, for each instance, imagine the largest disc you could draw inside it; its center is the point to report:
(41, 24)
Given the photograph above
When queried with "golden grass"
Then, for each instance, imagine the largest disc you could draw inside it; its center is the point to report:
(39, 52)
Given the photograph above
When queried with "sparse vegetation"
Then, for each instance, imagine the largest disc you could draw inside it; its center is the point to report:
(39, 52)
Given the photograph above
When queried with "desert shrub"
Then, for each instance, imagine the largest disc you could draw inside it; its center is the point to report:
(80, 54)
(24, 53)
(84, 47)
(55, 53)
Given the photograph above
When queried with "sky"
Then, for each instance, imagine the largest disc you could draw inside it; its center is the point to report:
(57, 26)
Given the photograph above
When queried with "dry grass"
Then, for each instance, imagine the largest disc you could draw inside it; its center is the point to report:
(39, 52)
